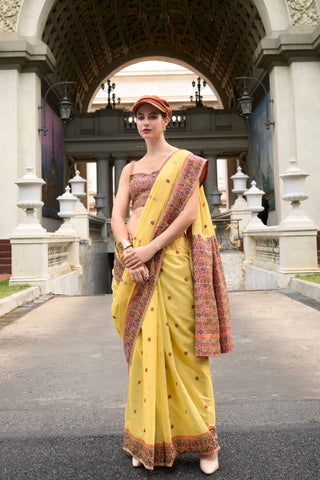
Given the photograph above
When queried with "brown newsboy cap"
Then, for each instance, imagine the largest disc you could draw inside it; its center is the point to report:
(159, 103)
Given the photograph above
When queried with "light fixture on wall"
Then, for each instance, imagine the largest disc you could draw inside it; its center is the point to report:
(65, 107)
(245, 101)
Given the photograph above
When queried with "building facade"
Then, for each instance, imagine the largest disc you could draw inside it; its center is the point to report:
(43, 42)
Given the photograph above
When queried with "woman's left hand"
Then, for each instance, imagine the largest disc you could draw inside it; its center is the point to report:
(138, 256)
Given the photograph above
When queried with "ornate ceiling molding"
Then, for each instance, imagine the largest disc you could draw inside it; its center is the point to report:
(9, 12)
(90, 38)
(303, 12)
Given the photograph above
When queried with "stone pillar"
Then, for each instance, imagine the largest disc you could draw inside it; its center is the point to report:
(295, 91)
(296, 94)
(104, 182)
(9, 168)
(119, 163)
(20, 141)
(211, 184)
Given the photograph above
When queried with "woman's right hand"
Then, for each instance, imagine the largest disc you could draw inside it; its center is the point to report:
(139, 274)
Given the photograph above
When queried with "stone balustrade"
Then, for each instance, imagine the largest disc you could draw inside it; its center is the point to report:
(48, 260)
(177, 121)
(273, 255)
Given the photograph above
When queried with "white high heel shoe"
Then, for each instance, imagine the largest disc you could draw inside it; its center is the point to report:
(209, 466)
(136, 462)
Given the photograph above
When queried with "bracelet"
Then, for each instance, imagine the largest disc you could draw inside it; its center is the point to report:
(125, 243)
(120, 247)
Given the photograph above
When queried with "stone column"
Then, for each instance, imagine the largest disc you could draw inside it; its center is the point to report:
(296, 94)
(211, 184)
(104, 182)
(20, 141)
(119, 163)
(295, 91)
(9, 168)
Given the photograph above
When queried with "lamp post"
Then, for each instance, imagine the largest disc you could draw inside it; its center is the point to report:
(65, 107)
(114, 100)
(245, 101)
(111, 98)
(198, 96)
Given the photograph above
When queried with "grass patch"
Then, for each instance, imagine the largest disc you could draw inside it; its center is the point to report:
(310, 278)
(6, 289)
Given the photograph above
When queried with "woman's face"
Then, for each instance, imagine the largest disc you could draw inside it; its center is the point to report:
(150, 122)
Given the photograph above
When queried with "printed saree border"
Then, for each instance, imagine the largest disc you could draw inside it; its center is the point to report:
(163, 454)
(212, 311)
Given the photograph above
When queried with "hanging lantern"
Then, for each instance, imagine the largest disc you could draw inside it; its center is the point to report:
(65, 108)
(245, 103)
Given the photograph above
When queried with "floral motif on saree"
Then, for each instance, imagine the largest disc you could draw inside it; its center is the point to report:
(169, 325)
(170, 193)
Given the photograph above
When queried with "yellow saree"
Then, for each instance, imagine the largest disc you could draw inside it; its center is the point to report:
(171, 324)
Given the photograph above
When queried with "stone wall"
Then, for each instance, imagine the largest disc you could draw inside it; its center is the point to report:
(232, 264)
(96, 273)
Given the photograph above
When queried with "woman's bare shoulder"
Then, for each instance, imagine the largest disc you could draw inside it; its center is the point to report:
(126, 170)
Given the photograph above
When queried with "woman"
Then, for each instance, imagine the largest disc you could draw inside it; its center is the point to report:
(170, 302)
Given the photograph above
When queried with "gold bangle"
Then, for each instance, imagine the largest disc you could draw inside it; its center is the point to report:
(125, 243)
(120, 247)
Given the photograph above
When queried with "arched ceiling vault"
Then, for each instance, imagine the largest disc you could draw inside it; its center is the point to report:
(92, 38)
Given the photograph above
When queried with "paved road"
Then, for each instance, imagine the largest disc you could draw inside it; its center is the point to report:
(63, 389)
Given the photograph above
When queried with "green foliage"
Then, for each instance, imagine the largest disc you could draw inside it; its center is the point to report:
(6, 289)
(310, 278)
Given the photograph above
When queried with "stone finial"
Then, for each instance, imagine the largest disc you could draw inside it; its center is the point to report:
(30, 187)
(294, 183)
(67, 203)
(254, 205)
(239, 185)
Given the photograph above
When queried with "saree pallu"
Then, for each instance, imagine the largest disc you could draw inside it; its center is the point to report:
(170, 405)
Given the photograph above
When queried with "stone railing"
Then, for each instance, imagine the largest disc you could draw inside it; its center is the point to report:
(178, 121)
(88, 226)
(268, 251)
(48, 260)
(273, 255)
(72, 260)
(116, 122)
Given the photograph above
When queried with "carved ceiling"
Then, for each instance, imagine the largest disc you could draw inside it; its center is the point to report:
(92, 38)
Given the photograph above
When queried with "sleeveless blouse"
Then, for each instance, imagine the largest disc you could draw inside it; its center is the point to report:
(140, 186)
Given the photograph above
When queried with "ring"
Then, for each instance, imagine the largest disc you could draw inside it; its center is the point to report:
(145, 277)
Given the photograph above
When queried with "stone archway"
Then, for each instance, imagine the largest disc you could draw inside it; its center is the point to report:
(219, 50)
(164, 58)
(89, 40)
(31, 15)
